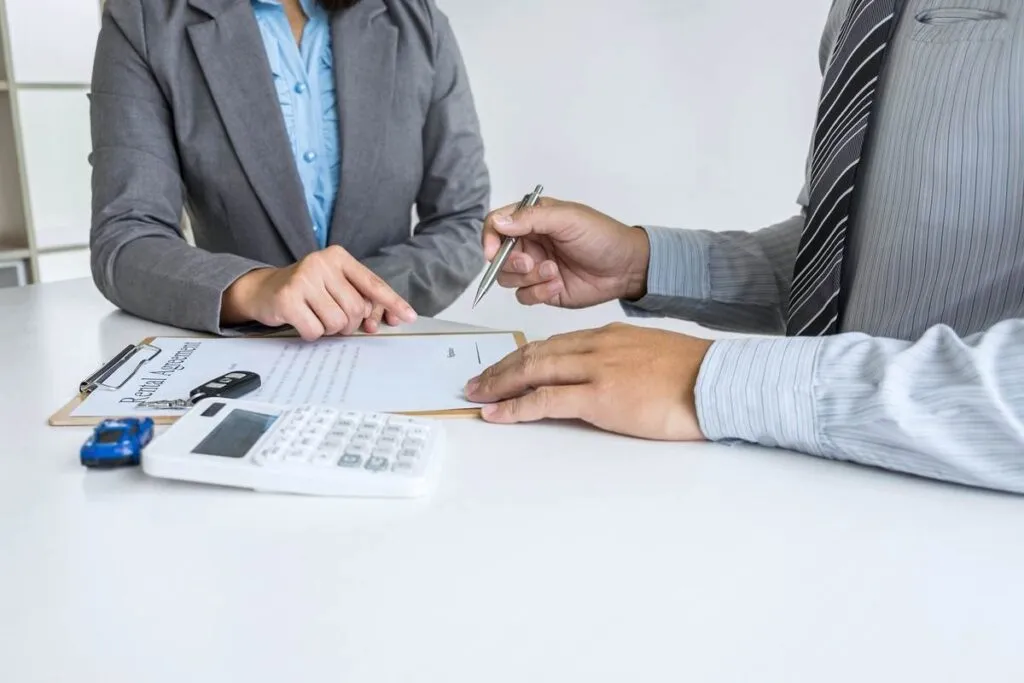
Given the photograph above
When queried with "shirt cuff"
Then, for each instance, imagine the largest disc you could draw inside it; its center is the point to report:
(761, 391)
(678, 269)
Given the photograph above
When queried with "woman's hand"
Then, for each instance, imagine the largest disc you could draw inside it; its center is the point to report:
(327, 293)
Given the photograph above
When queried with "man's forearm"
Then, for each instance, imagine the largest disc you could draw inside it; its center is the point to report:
(734, 281)
(942, 407)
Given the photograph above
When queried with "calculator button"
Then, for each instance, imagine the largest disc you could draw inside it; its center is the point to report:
(289, 434)
(393, 431)
(298, 455)
(360, 450)
(388, 440)
(350, 460)
(412, 446)
(332, 442)
(402, 466)
(272, 453)
(316, 435)
(325, 457)
(377, 464)
(409, 454)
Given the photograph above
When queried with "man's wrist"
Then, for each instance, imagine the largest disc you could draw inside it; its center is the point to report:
(676, 270)
(634, 287)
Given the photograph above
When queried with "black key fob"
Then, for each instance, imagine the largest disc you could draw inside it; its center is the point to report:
(233, 384)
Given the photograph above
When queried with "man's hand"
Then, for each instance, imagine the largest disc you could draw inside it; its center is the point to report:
(568, 255)
(327, 293)
(631, 380)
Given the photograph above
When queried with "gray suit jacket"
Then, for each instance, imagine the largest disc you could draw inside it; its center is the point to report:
(184, 113)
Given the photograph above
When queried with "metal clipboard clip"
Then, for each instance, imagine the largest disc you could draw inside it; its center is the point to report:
(120, 368)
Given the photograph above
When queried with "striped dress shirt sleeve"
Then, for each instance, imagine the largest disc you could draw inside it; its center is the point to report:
(942, 407)
(927, 374)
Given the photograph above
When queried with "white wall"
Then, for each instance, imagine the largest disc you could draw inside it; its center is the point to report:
(689, 113)
(45, 204)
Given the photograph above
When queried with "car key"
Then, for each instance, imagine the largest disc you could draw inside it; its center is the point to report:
(233, 384)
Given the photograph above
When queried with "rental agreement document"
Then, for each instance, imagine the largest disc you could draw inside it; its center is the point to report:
(386, 373)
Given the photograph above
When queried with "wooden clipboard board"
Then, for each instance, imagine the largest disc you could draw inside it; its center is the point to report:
(64, 418)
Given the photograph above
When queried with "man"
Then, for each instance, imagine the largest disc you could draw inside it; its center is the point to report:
(899, 287)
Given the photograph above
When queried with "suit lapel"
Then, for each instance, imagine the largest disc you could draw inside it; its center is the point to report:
(365, 50)
(232, 56)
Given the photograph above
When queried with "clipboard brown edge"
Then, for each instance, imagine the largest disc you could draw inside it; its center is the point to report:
(63, 417)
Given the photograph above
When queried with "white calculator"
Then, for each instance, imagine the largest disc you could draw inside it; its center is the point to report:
(315, 450)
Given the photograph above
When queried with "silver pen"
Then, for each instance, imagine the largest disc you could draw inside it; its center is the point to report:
(507, 245)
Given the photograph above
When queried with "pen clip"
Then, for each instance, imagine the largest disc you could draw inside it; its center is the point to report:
(531, 199)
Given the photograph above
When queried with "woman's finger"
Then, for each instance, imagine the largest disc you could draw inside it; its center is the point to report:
(372, 324)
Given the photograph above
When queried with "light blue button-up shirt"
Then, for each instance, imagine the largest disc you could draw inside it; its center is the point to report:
(304, 80)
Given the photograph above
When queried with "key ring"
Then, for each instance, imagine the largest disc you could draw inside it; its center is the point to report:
(164, 404)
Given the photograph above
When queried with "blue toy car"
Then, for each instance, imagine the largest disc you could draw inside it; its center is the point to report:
(117, 443)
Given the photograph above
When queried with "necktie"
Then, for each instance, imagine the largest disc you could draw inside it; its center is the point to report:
(844, 110)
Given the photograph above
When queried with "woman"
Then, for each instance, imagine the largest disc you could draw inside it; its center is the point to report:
(300, 135)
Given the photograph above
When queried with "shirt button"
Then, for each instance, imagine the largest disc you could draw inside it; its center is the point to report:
(300, 88)
(309, 157)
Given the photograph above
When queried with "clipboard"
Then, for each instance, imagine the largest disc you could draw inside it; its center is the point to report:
(121, 368)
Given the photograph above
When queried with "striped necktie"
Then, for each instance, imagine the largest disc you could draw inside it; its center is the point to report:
(844, 110)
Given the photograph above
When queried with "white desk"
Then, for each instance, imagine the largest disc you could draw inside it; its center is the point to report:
(549, 553)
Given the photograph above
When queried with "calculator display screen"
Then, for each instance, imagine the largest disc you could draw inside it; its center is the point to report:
(233, 437)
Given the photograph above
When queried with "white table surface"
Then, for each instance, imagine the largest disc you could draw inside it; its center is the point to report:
(548, 553)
